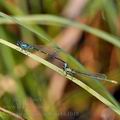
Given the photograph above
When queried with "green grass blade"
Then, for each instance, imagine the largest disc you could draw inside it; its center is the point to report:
(55, 20)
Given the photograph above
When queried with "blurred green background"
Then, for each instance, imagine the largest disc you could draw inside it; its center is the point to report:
(35, 92)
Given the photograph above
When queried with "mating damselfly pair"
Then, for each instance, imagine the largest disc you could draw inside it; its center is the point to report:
(65, 67)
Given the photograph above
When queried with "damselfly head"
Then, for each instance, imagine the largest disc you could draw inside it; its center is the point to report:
(19, 42)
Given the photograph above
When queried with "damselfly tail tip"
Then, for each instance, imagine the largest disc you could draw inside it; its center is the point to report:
(115, 82)
(112, 81)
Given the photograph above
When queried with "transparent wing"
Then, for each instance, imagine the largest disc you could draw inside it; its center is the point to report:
(98, 76)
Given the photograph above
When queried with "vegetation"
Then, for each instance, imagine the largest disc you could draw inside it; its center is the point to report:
(87, 31)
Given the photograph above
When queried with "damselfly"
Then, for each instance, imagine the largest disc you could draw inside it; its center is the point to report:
(66, 68)
(97, 76)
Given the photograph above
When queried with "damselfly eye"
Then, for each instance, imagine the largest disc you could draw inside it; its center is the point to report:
(19, 42)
